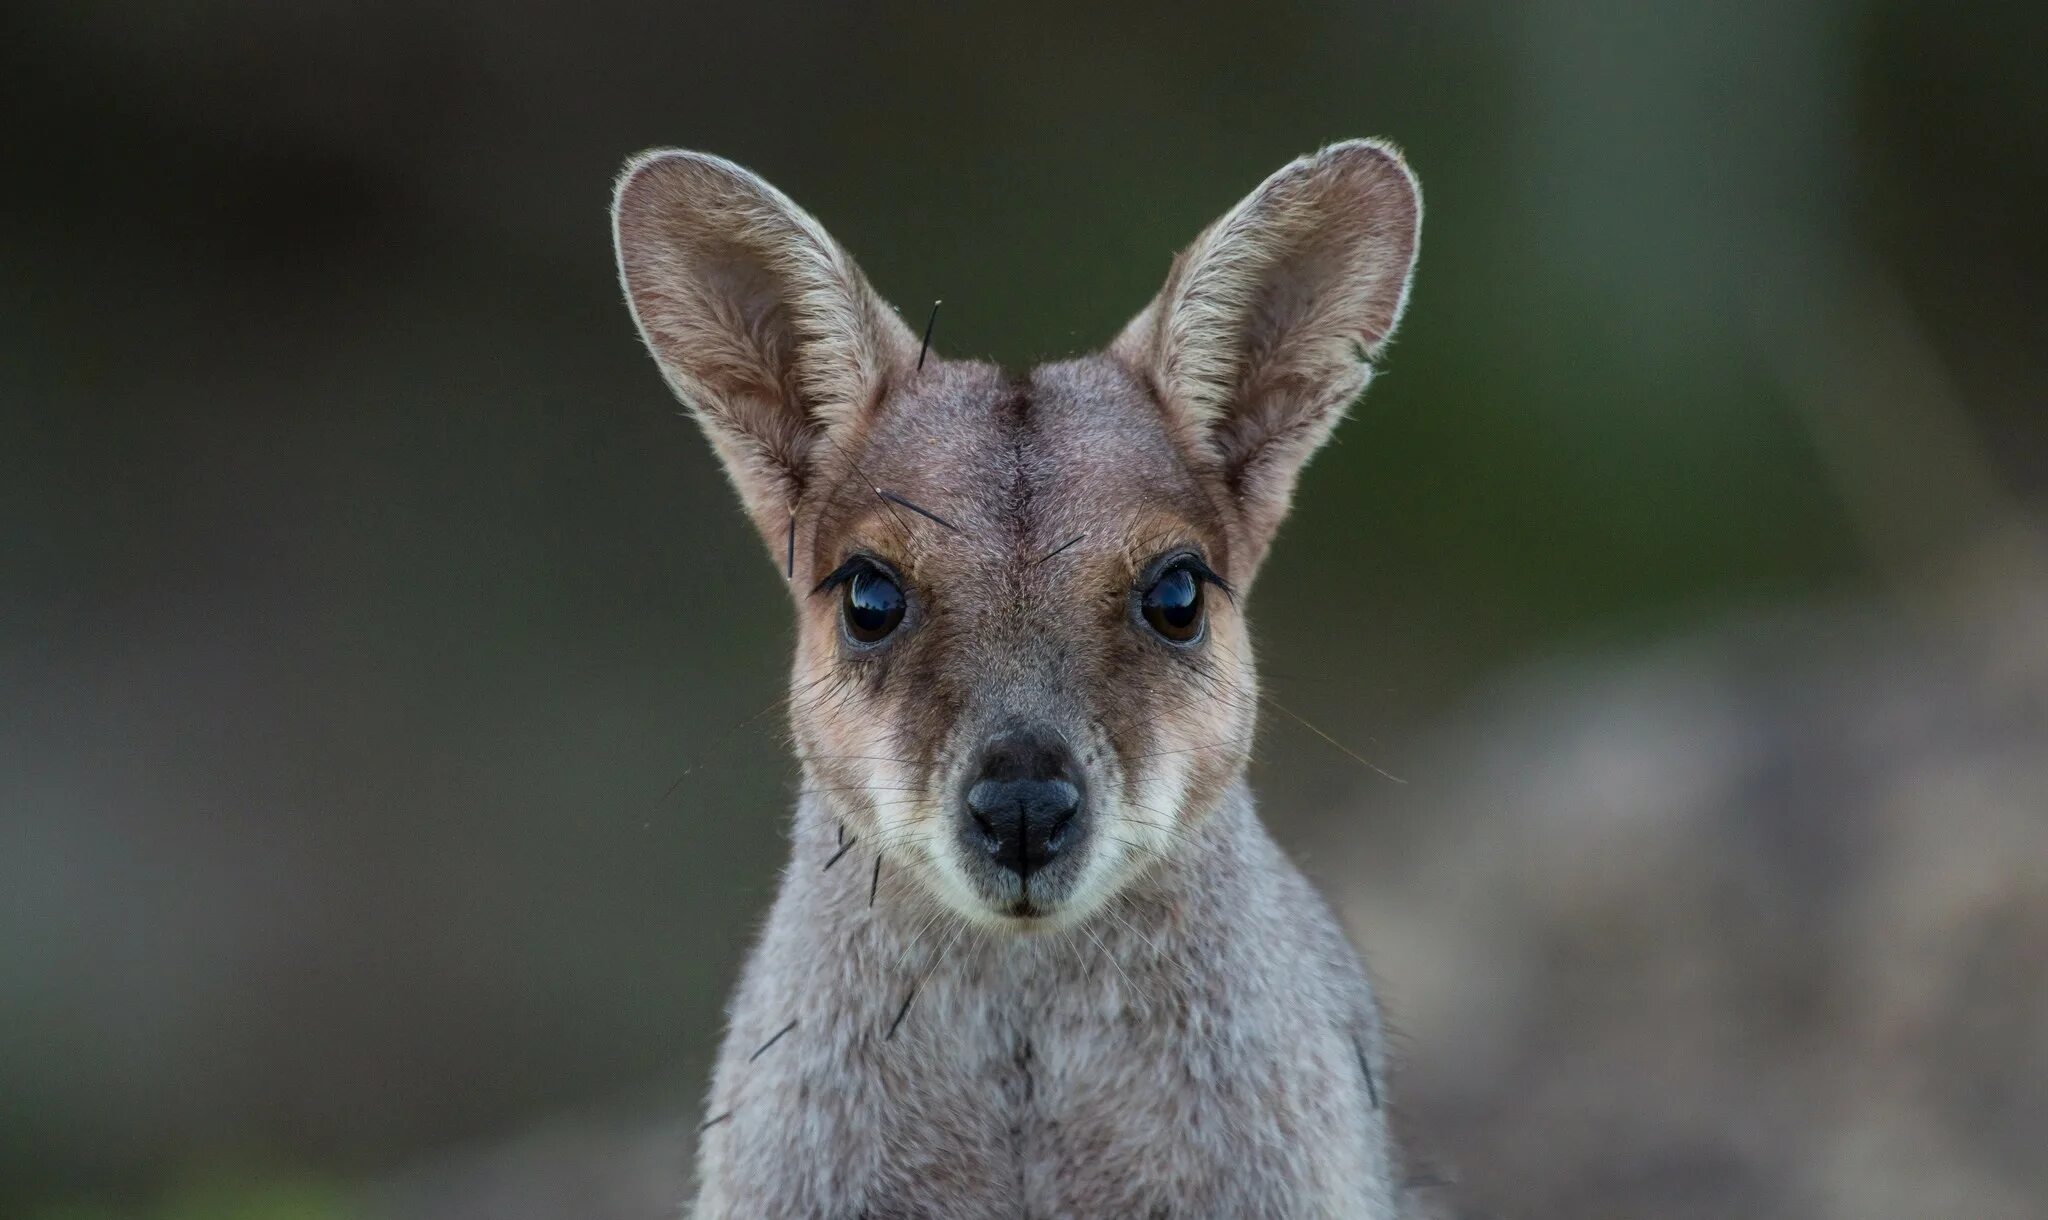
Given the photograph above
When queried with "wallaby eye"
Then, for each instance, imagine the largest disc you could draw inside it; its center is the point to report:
(872, 606)
(1173, 605)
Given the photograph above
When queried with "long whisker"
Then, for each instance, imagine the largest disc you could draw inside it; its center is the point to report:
(1058, 550)
(1354, 755)
(919, 982)
(1234, 693)
(929, 322)
(910, 837)
(1112, 958)
(1168, 827)
(1142, 851)
(1132, 928)
(720, 740)
(901, 1013)
(763, 1049)
(1073, 950)
(1197, 749)
(1372, 1089)
(926, 513)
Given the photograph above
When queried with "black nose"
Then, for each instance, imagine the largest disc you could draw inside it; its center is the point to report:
(1024, 800)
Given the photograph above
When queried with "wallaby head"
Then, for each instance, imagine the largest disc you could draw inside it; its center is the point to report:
(1022, 666)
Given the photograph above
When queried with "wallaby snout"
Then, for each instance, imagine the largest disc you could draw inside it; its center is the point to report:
(1024, 805)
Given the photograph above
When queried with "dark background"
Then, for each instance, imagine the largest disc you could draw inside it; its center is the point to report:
(379, 650)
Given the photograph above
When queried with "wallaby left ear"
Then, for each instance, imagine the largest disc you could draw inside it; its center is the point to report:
(761, 323)
(1260, 339)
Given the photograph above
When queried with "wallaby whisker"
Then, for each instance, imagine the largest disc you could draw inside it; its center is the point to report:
(929, 322)
(1061, 549)
(1350, 753)
(959, 926)
(780, 700)
(1132, 928)
(1372, 1090)
(926, 513)
(763, 1048)
(1115, 964)
(1195, 749)
(901, 1013)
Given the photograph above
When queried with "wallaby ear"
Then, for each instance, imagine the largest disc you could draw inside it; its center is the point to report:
(762, 324)
(1260, 339)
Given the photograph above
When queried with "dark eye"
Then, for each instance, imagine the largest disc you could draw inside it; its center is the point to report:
(1173, 605)
(873, 606)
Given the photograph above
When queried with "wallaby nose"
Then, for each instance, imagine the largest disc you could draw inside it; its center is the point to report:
(1024, 800)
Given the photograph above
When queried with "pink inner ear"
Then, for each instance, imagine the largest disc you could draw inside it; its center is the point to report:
(726, 318)
(1282, 310)
(762, 325)
(1282, 289)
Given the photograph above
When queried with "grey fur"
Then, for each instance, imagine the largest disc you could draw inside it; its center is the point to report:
(1193, 1052)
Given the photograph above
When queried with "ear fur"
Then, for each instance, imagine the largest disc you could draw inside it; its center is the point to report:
(763, 326)
(1260, 339)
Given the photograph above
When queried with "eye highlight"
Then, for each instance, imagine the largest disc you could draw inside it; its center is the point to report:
(871, 601)
(873, 607)
(1172, 605)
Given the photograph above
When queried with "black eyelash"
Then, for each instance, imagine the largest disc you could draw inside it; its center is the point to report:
(854, 566)
(1196, 566)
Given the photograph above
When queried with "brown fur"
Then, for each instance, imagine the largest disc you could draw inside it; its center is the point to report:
(1055, 493)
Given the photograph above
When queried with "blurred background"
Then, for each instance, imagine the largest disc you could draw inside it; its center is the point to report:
(363, 598)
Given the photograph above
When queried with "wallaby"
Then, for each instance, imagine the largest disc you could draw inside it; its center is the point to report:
(1033, 955)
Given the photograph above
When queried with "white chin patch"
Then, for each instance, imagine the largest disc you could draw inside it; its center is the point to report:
(893, 794)
(1126, 835)
(1154, 818)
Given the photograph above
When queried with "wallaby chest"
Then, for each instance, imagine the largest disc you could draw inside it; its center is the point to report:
(1151, 1063)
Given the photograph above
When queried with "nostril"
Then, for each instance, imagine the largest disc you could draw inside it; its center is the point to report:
(1056, 838)
(983, 802)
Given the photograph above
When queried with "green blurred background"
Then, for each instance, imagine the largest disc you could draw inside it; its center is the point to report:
(362, 595)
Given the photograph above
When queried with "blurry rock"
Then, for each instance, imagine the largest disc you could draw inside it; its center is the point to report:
(1752, 925)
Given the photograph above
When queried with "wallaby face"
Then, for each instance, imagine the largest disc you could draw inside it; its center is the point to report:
(1016, 701)
(1023, 683)
(1022, 668)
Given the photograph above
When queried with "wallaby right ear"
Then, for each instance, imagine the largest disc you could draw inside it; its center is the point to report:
(1260, 339)
(762, 324)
